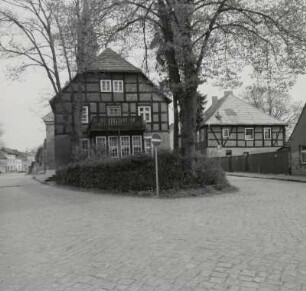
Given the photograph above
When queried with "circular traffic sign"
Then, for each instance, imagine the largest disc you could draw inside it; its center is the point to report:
(156, 139)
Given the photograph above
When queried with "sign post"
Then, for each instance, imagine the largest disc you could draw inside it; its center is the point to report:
(156, 140)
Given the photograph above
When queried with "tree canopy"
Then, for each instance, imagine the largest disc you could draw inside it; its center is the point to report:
(193, 41)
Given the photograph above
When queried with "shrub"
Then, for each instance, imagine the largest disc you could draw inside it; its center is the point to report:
(137, 173)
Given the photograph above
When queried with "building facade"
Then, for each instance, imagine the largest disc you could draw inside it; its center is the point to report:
(232, 126)
(49, 142)
(297, 142)
(121, 109)
(12, 160)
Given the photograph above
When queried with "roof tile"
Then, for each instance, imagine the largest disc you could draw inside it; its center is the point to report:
(231, 110)
(109, 61)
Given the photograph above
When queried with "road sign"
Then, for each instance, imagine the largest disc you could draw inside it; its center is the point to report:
(156, 139)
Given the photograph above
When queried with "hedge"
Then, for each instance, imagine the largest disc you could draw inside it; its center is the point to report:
(137, 173)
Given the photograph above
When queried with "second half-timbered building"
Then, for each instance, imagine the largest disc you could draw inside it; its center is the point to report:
(297, 142)
(232, 126)
(121, 109)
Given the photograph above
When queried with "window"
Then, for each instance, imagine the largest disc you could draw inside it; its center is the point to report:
(101, 145)
(148, 145)
(137, 144)
(85, 146)
(145, 112)
(117, 86)
(125, 146)
(84, 114)
(106, 86)
(303, 154)
(225, 133)
(249, 133)
(267, 133)
(113, 146)
(113, 111)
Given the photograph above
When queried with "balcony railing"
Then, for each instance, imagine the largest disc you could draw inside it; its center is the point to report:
(103, 123)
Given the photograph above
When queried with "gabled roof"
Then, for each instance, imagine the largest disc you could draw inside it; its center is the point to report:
(303, 113)
(48, 117)
(7, 151)
(109, 61)
(231, 110)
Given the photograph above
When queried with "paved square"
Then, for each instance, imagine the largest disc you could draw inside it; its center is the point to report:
(58, 239)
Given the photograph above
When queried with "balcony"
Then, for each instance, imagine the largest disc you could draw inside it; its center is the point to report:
(114, 123)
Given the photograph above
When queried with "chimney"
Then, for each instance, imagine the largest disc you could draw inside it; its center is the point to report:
(226, 93)
(214, 100)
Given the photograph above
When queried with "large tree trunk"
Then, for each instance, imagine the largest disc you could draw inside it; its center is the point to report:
(188, 108)
(76, 98)
(175, 124)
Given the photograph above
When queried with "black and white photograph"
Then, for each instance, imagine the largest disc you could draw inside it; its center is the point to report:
(152, 145)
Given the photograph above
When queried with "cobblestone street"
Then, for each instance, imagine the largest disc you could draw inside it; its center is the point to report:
(58, 239)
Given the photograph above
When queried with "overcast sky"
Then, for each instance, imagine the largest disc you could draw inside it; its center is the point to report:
(23, 103)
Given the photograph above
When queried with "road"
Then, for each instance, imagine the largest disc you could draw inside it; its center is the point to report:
(61, 239)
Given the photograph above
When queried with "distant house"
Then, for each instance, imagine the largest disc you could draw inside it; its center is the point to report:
(3, 162)
(121, 110)
(232, 126)
(49, 144)
(297, 142)
(12, 160)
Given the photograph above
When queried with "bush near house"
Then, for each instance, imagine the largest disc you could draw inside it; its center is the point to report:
(137, 173)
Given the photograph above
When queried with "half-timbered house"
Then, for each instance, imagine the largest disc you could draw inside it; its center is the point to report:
(121, 110)
(297, 142)
(232, 126)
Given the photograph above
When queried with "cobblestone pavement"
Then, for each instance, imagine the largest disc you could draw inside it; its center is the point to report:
(58, 239)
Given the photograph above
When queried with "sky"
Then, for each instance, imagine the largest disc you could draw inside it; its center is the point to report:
(23, 103)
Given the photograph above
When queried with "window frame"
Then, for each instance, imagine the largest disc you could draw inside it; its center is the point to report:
(112, 147)
(302, 151)
(228, 133)
(143, 113)
(120, 83)
(264, 133)
(124, 147)
(86, 151)
(148, 149)
(104, 88)
(85, 119)
(245, 135)
(136, 146)
(111, 107)
(101, 149)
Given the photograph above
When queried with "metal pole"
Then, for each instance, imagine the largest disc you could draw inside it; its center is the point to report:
(156, 172)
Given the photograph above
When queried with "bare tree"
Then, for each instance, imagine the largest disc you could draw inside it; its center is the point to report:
(275, 102)
(208, 39)
(61, 37)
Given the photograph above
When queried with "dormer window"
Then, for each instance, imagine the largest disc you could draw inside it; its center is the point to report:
(118, 86)
(106, 86)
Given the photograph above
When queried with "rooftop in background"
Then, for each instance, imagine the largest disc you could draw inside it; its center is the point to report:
(7, 151)
(231, 110)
